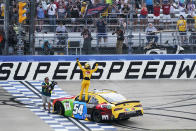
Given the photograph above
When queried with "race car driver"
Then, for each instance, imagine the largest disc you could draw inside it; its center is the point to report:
(87, 72)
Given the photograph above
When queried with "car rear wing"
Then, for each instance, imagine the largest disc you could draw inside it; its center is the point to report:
(126, 102)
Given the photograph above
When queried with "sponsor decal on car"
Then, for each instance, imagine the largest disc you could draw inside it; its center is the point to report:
(67, 106)
(105, 117)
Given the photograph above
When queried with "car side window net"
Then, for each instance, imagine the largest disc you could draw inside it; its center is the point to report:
(93, 100)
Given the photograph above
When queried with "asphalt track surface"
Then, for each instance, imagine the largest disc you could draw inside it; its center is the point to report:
(168, 104)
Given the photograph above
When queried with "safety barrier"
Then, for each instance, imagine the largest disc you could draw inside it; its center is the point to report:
(111, 67)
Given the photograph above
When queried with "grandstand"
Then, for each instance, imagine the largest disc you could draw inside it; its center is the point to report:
(114, 14)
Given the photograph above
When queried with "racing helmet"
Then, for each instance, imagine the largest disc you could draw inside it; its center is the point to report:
(87, 66)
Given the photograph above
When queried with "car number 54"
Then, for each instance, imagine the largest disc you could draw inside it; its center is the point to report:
(78, 109)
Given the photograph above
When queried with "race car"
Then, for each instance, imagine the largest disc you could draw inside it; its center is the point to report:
(101, 105)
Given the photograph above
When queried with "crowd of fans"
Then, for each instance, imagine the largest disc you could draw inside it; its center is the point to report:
(54, 13)
(74, 10)
(54, 10)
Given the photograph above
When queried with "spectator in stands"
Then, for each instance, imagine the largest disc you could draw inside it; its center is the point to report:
(56, 2)
(62, 35)
(52, 15)
(195, 22)
(12, 41)
(14, 12)
(135, 17)
(125, 11)
(46, 48)
(181, 28)
(182, 2)
(156, 17)
(61, 11)
(78, 4)
(87, 41)
(174, 6)
(68, 7)
(75, 14)
(89, 2)
(2, 10)
(123, 24)
(120, 38)
(114, 10)
(2, 40)
(143, 16)
(109, 2)
(182, 10)
(83, 8)
(151, 34)
(105, 13)
(40, 17)
(191, 14)
(101, 30)
(138, 4)
(119, 5)
(149, 5)
(166, 13)
(44, 5)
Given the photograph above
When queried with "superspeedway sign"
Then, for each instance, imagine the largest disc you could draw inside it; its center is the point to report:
(108, 70)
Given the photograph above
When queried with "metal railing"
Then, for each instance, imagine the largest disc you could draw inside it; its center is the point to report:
(139, 41)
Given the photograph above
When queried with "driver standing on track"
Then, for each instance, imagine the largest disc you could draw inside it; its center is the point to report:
(46, 93)
(87, 72)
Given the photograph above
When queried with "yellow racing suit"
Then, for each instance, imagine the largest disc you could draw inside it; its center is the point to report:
(86, 80)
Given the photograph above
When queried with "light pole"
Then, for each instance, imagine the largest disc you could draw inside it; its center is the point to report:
(32, 27)
(22, 17)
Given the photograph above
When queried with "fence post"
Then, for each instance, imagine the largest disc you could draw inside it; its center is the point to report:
(20, 44)
(140, 39)
(6, 25)
(160, 38)
(67, 47)
(32, 27)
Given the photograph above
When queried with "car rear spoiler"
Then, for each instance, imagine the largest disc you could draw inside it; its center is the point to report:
(127, 102)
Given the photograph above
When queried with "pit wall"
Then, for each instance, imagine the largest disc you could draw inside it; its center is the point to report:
(111, 67)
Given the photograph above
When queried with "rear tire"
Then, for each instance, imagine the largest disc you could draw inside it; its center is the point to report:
(58, 107)
(97, 116)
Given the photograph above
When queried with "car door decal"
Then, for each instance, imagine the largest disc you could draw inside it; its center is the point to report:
(68, 106)
(79, 110)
